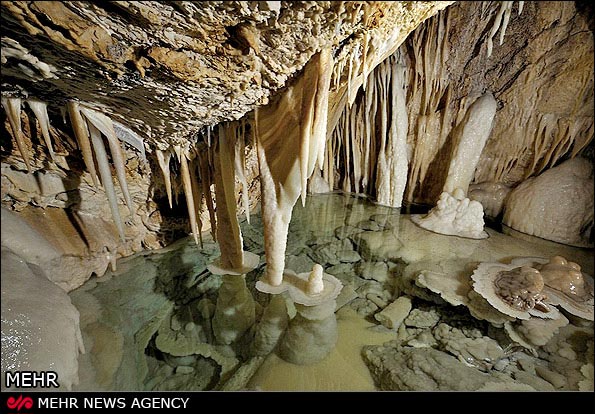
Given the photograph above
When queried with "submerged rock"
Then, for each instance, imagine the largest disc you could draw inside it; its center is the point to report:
(378, 245)
(394, 314)
(421, 369)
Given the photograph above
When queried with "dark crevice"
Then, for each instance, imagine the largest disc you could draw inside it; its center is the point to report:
(46, 21)
(112, 8)
(585, 9)
(511, 81)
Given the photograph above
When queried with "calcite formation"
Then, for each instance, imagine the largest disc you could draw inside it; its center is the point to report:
(454, 215)
(173, 68)
(520, 289)
(557, 205)
(40, 326)
(566, 285)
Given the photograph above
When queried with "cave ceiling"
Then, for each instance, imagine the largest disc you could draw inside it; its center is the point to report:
(170, 69)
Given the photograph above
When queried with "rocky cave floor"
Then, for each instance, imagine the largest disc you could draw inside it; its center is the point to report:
(148, 326)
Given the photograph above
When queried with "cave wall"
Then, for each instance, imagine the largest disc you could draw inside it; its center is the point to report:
(541, 76)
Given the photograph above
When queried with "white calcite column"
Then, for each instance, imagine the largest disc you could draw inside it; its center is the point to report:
(290, 139)
(473, 134)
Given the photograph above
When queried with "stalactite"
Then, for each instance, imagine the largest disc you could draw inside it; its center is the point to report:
(12, 106)
(371, 136)
(368, 117)
(307, 111)
(281, 166)
(106, 177)
(229, 235)
(474, 133)
(392, 166)
(314, 118)
(130, 137)
(40, 110)
(177, 187)
(163, 158)
(240, 169)
(196, 196)
(538, 141)
(105, 125)
(382, 180)
(399, 156)
(206, 180)
(82, 137)
(429, 122)
(500, 22)
(187, 184)
(505, 20)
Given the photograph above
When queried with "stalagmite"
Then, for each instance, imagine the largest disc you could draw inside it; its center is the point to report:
(454, 215)
(315, 285)
(163, 158)
(12, 106)
(229, 235)
(105, 125)
(282, 167)
(106, 177)
(41, 113)
(474, 132)
(82, 137)
(184, 171)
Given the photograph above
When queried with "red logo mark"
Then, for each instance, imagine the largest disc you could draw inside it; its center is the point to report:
(19, 403)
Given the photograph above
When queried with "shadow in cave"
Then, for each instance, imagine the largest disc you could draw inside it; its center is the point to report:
(72, 180)
(429, 191)
(6, 144)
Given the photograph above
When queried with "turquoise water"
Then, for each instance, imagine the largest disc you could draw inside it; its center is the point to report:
(163, 322)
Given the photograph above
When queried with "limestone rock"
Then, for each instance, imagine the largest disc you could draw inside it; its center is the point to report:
(394, 314)
(377, 245)
(40, 326)
(419, 318)
(421, 369)
(377, 271)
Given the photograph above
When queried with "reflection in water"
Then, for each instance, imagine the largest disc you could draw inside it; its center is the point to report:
(234, 313)
(311, 335)
(164, 322)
